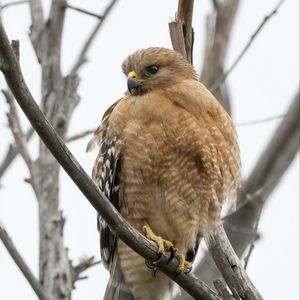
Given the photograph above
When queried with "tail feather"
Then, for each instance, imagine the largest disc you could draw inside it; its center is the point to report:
(117, 288)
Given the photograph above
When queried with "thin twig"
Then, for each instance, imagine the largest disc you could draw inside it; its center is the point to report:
(80, 135)
(104, 207)
(14, 124)
(16, 256)
(84, 264)
(82, 56)
(12, 152)
(244, 50)
(251, 248)
(265, 120)
(20, 139)
(13, 4)
(89, 13)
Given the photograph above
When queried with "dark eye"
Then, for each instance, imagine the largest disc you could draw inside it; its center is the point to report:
(152, 69)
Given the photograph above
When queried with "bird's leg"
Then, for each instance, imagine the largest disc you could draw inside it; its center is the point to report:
(184, 265)
(165, 245)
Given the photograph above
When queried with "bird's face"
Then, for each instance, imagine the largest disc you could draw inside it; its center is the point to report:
(155, 68)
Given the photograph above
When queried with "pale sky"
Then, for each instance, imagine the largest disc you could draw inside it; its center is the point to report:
(262, 85)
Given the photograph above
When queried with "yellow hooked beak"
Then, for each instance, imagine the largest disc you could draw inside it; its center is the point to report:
(134, 83)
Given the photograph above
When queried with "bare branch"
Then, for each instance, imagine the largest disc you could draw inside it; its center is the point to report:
(255, 231)
(13, 3)
(36, 29)
(16, 256)
(222, 290)
(20, 140)
(230, 267)
(181, 30)
(240, 124)
(127, 233)
(89, 13)
(14, 124)
(80, 135)
(244, 50)
(218, 31)
(83, 265)
(82, 56)
(12, 152)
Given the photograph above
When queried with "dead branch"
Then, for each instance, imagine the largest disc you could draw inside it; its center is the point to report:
(181, 30)
(20, 140)
(256, 122)
(128, 234)
(12, 152)
(83, 265)
(222, 290)
(218, 32)
(82, 56)
(220, 80)
(18, 259)
(13, 3)
(84, 11)
(230, 267)
(80, 135)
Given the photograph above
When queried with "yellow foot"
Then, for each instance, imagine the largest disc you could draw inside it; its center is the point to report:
(165, 245)
(184, 265)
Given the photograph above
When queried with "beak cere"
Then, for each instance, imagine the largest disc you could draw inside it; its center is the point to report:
(134, 83)
(133, 86)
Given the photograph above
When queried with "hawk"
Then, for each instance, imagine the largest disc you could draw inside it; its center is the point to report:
(168, 160)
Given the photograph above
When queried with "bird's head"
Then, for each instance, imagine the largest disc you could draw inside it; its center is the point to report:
(155, 68)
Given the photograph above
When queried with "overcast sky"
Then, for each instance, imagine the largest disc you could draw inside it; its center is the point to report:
(262, 85)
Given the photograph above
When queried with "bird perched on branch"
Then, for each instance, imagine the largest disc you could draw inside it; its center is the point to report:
(168, 160)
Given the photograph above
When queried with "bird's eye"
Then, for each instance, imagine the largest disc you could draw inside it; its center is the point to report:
(153, 69)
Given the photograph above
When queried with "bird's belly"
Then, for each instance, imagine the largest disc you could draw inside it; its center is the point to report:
(159, 187)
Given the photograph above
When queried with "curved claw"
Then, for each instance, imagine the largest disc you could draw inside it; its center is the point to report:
(172, 254)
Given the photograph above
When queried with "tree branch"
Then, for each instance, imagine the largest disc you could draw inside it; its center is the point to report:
(80, 135)
(14, 253)
(82, 56)
(220, 80)
(84, 11)
(20, 140)
(84, 264)
(13, 3)
(12, 152)
(230, 267)
(128, 234)
(181, 30)
(218, 31)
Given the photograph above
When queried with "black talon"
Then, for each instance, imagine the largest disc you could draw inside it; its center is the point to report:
(145, 232)
(187, 270)
(150, 265)
(172, 254)
(155, 262)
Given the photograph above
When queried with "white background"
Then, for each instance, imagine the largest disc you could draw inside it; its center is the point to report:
(262, 85)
